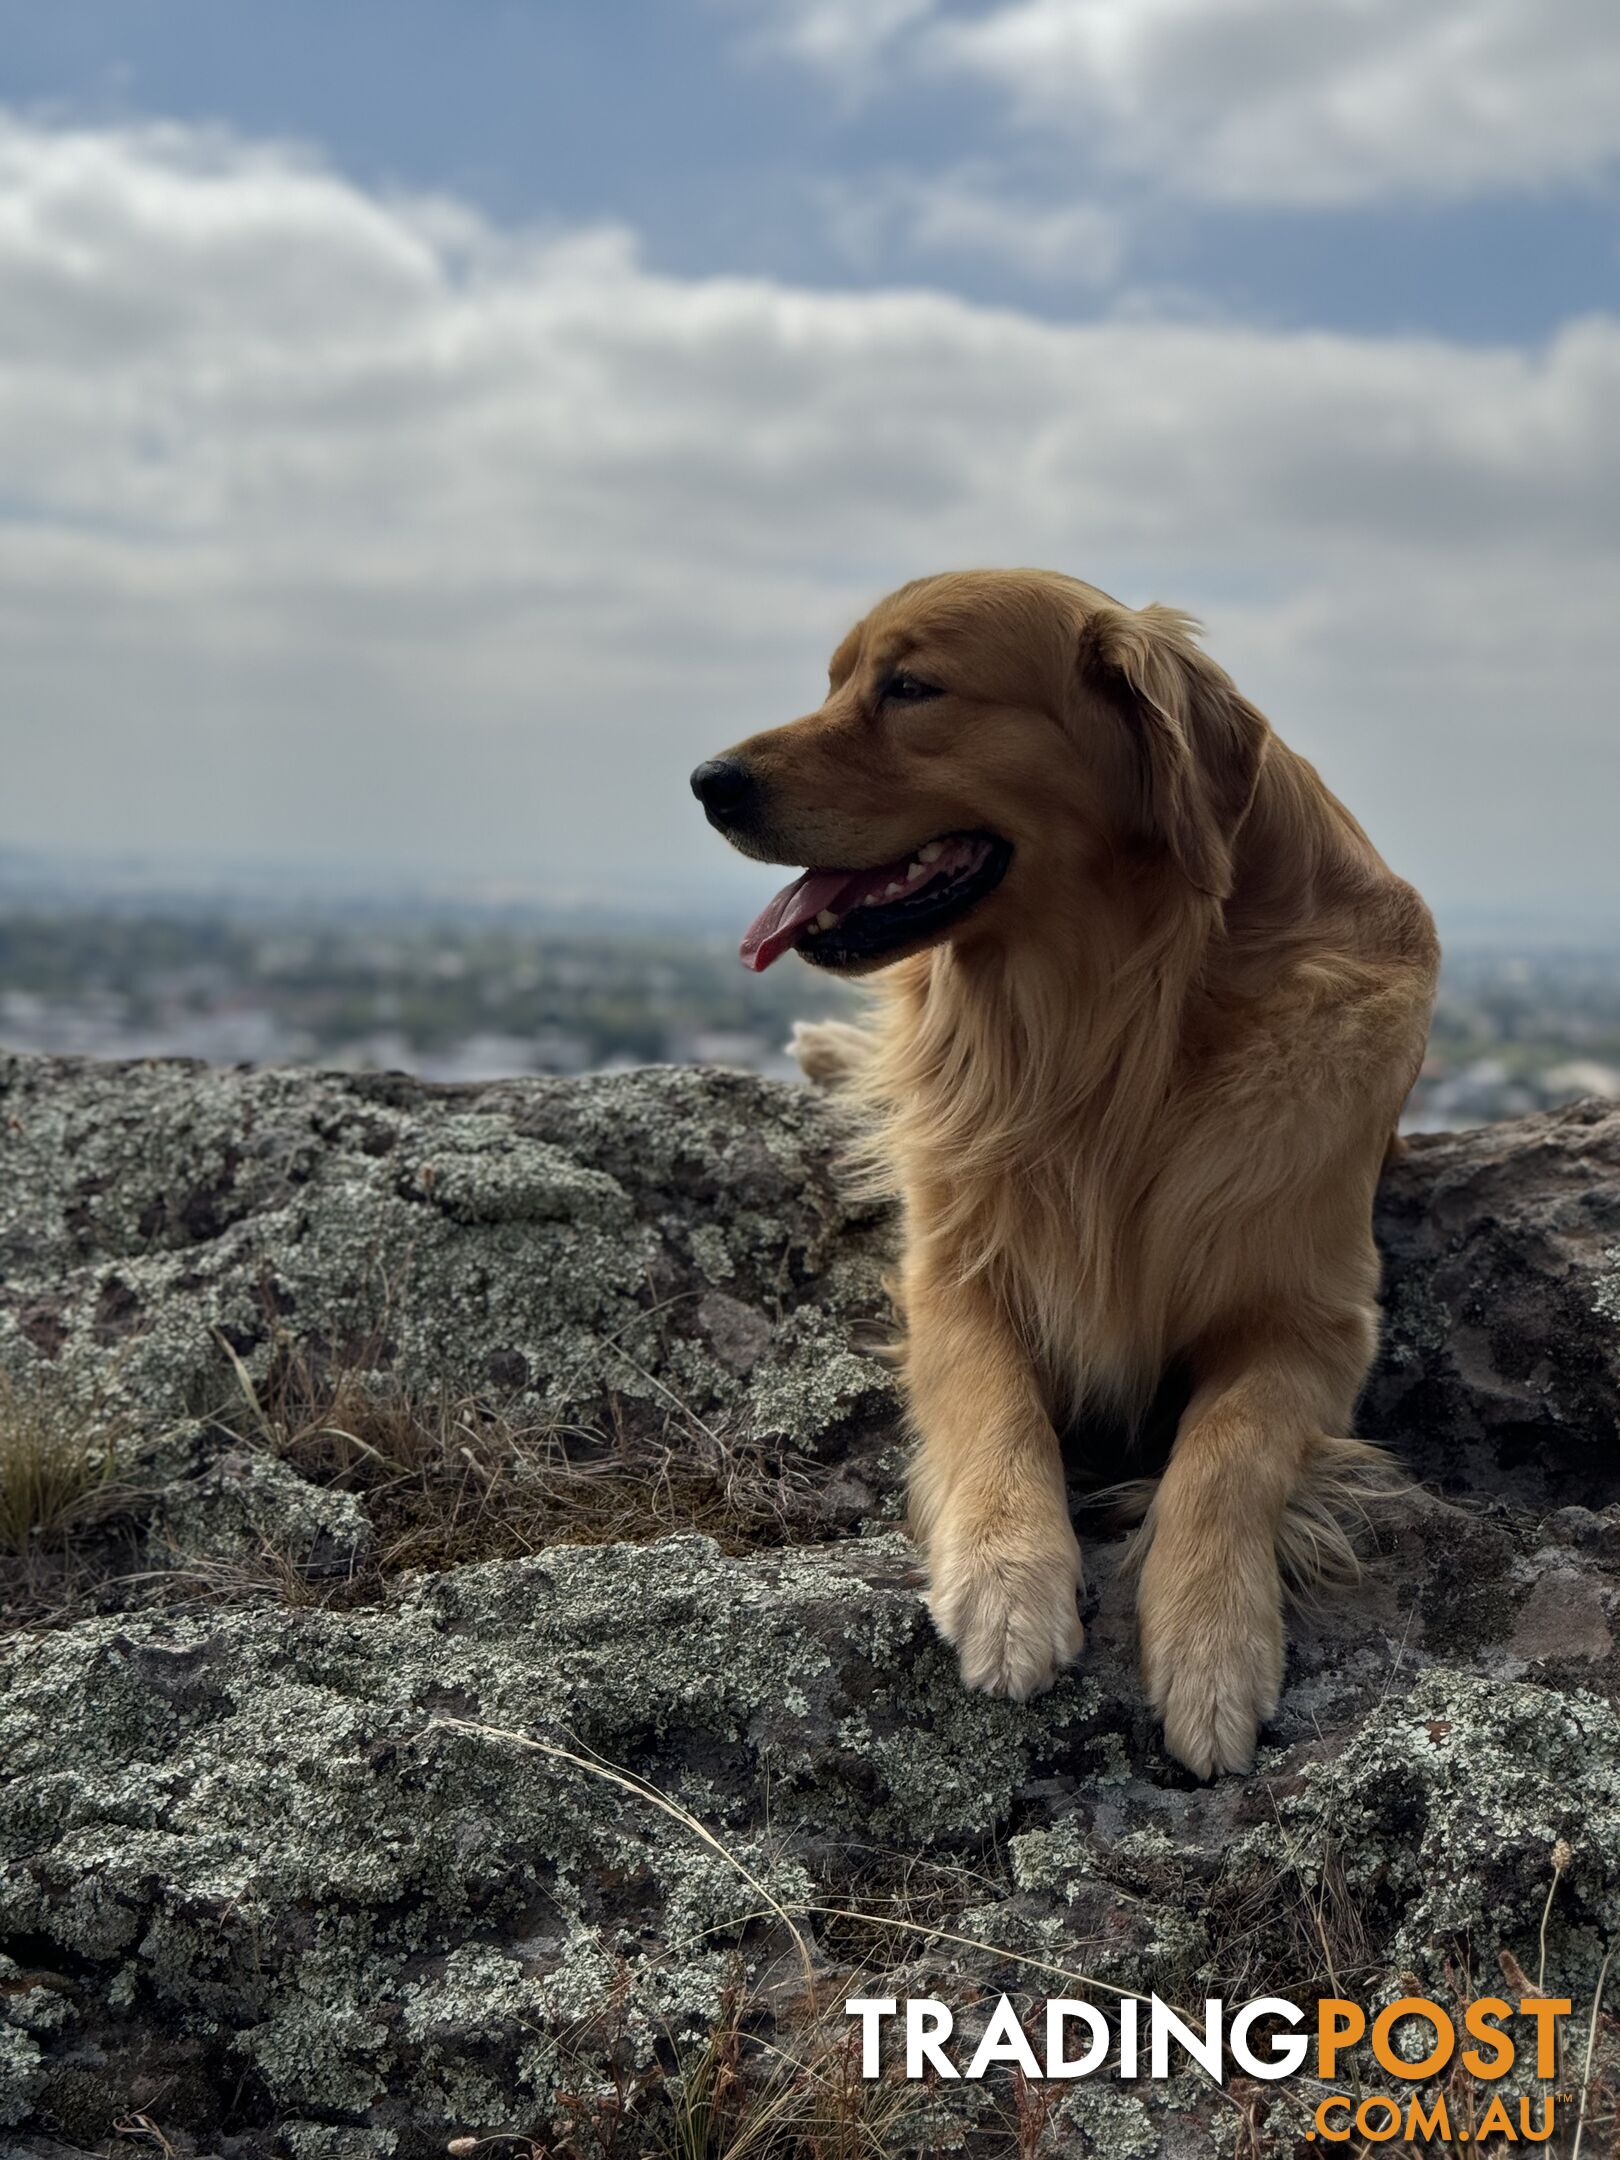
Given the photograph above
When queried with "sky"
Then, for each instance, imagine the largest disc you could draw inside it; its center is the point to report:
(426, 429)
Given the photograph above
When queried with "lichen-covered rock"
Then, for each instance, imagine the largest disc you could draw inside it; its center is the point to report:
(322, 1840)
(352, 1878)
(597, 1249)
(1501, 1357)
(244, 1504)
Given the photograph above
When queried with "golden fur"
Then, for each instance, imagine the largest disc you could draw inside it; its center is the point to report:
(1134, 1105)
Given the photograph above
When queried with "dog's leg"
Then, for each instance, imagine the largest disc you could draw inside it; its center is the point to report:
(988, 1504)
(1210, 1600)
(829, 1052)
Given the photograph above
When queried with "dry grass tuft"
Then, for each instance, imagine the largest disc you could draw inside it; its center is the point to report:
(58, 1466)
(733, 2095)
(1335, 1955)
(450, 1478)
(271, 1575)
(1289, 1927)
(741, 2099)
(60, 1485)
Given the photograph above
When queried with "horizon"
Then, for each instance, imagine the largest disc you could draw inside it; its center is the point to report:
(65, 883)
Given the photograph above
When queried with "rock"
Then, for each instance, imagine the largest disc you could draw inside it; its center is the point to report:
(616, 1248)
(244, 1505)
(483, 1851)
(1501, 1356)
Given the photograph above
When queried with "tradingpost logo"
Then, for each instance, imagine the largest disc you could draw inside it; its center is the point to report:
(1270, 2039)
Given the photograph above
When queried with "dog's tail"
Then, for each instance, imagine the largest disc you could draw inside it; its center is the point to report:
(1347, 1487)
(830, 1053)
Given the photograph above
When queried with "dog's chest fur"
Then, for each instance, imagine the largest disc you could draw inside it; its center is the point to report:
(1126, 1175)
(1082, 1270)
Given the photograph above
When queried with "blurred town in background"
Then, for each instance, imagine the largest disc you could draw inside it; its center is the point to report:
(458, 987)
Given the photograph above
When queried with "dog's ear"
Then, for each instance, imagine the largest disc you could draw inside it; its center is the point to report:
(1198, 743)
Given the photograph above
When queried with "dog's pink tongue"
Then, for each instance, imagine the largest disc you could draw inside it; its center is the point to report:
(772, 931)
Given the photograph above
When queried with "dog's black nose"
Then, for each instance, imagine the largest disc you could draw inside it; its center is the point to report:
(726, 789)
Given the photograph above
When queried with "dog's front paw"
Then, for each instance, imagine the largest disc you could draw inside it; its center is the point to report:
(1008, 1608)
(1212, 1660)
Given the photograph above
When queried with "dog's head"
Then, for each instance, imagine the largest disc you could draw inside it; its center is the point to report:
(992, 746)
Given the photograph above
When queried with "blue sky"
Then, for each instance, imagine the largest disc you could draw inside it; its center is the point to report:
(426, 428)
(681, 120)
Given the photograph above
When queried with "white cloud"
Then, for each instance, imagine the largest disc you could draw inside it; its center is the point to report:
(967, 213)
(1325, 103)
(834, 35)
(336, 524)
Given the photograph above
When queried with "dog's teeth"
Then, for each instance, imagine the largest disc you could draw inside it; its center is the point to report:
(889, 891)
(914, 871)
(932, 852)
(826, 920)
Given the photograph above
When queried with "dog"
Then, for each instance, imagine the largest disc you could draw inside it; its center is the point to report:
(1150, 1006)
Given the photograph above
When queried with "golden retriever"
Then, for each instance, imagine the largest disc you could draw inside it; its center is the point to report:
(1151, 1004)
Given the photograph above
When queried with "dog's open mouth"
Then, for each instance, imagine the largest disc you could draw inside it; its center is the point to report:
(838, 918)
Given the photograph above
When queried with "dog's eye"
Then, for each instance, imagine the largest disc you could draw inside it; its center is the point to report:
(903, 689)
